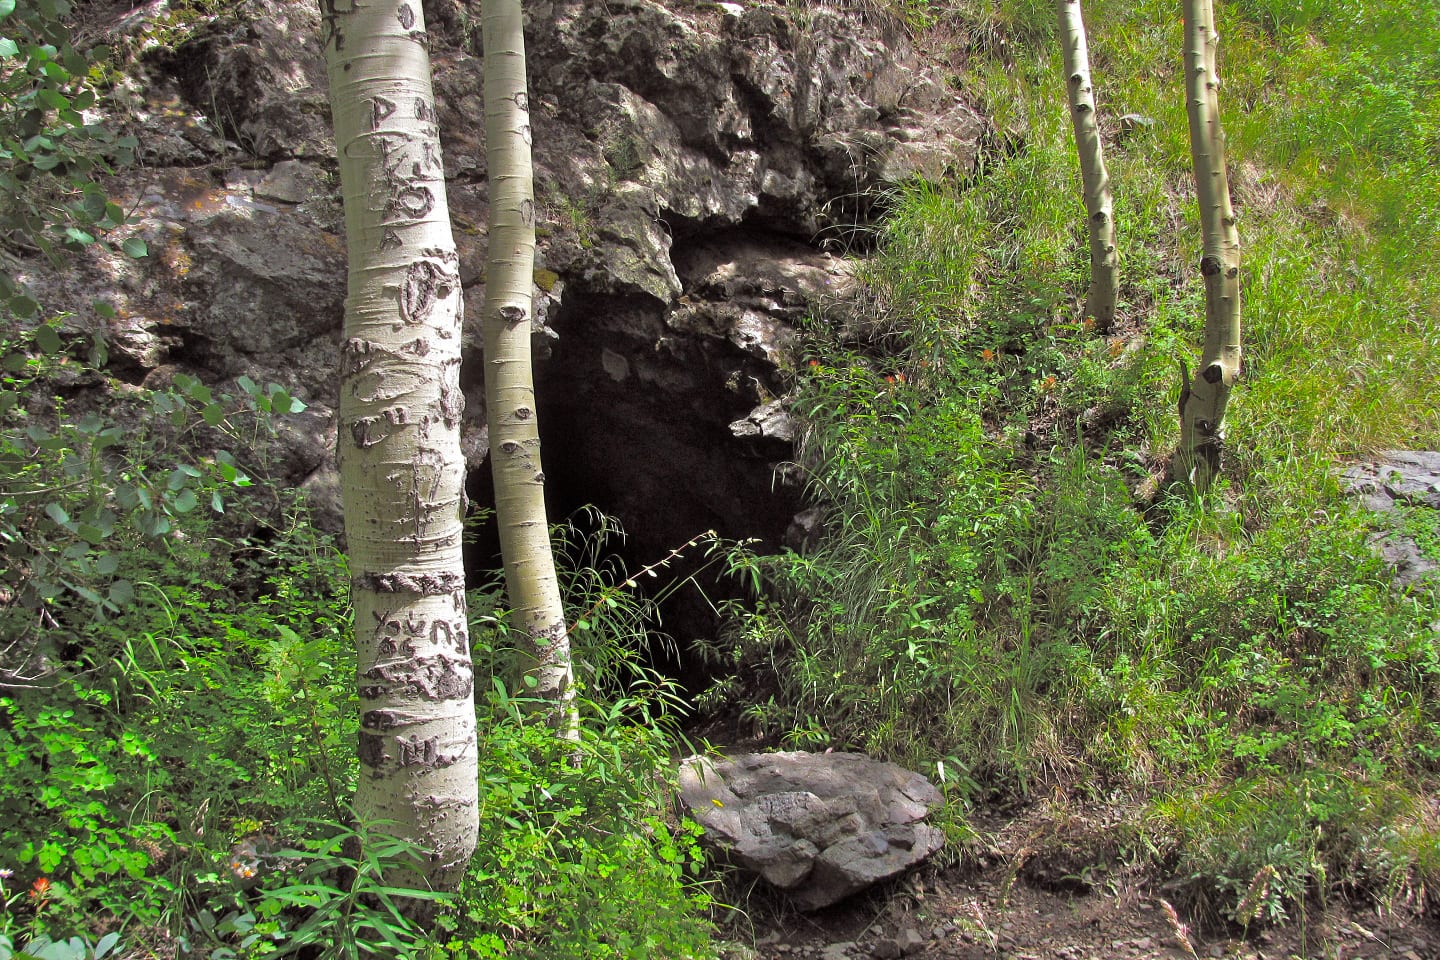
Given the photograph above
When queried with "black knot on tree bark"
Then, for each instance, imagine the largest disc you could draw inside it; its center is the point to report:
(1209, 266)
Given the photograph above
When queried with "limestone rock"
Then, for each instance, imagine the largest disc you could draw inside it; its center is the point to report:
(692, 162)
(819, 826)
(1399, 478)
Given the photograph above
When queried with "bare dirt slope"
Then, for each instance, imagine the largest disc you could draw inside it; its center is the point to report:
(1026, 900)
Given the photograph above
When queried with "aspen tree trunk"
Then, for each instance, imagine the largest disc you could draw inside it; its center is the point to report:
(1203, 400)
(401, 469)
(530, 579)
(1099, 206)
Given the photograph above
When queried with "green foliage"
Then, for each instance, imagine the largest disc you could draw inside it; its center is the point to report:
(167, 666)
(580, 854)
(166, 743)
(1005, 590)
(82, 486)
(51, 153)
(75, 948)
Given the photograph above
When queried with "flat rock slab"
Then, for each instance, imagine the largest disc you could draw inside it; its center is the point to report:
(1399, 478)
(820, 826)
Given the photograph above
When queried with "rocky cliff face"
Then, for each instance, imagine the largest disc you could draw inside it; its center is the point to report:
(692, 160)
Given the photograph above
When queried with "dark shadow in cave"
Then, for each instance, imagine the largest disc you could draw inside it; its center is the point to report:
(635, 422)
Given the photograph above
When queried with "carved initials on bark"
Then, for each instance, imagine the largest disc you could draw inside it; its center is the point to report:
(381, 110)
(426, 283)
(415, 751)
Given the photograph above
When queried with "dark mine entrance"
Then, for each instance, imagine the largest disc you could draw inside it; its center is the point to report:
(638, 427)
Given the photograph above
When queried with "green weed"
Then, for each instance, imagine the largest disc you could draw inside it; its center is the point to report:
(1004, 582)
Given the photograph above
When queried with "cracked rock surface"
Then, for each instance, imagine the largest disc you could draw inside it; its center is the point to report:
(820, 826)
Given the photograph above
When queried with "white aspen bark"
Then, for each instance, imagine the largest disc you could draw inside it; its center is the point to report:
(530, 582)
(401, 470)
(1203, 399)
(1099, 206)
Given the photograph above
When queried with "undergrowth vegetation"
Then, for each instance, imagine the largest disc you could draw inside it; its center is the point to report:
(1009, 592)
(178, 714)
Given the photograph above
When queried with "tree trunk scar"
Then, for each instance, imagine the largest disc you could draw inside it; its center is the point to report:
(411, 201)
(356, 355)
(420, 291)
(452, 398)
(441, 677)
(371, 750)
(424, 584)
(381, 109)
(360, 431)
(417, 752)
(382, 720)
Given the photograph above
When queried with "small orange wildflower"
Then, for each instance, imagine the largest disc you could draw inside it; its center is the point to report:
(1048, 384)
(40, 889)
(814, 363)
(1088, 324)
(988, 355)
(1117, 347)
(889, 379)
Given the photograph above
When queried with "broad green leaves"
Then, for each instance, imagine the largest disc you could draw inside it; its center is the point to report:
(50, 152)
(80, 489)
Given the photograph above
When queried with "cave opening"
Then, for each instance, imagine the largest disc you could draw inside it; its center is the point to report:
(635, 423)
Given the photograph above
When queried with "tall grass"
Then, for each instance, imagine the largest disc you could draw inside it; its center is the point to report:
(1007, 588)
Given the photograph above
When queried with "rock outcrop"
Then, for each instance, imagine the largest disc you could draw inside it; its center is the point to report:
(1397, 479)
(818, 826)
(692, 160)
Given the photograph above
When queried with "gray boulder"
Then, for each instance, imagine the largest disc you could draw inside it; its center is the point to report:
(1394, 480)
(819, 826)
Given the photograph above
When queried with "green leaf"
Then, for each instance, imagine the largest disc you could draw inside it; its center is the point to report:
(185, 501)
(94, 204)
(52, 98)
(7, 46)
(217, 503)
(86, 592)
(135, 247)
(47, 339)
(107, 563)
(23, 306)
(57, 513)
(107, 942)
(7, 7)
(122, 591)
(127, 496)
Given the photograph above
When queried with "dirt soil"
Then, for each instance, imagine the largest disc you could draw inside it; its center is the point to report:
(1022, 898)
